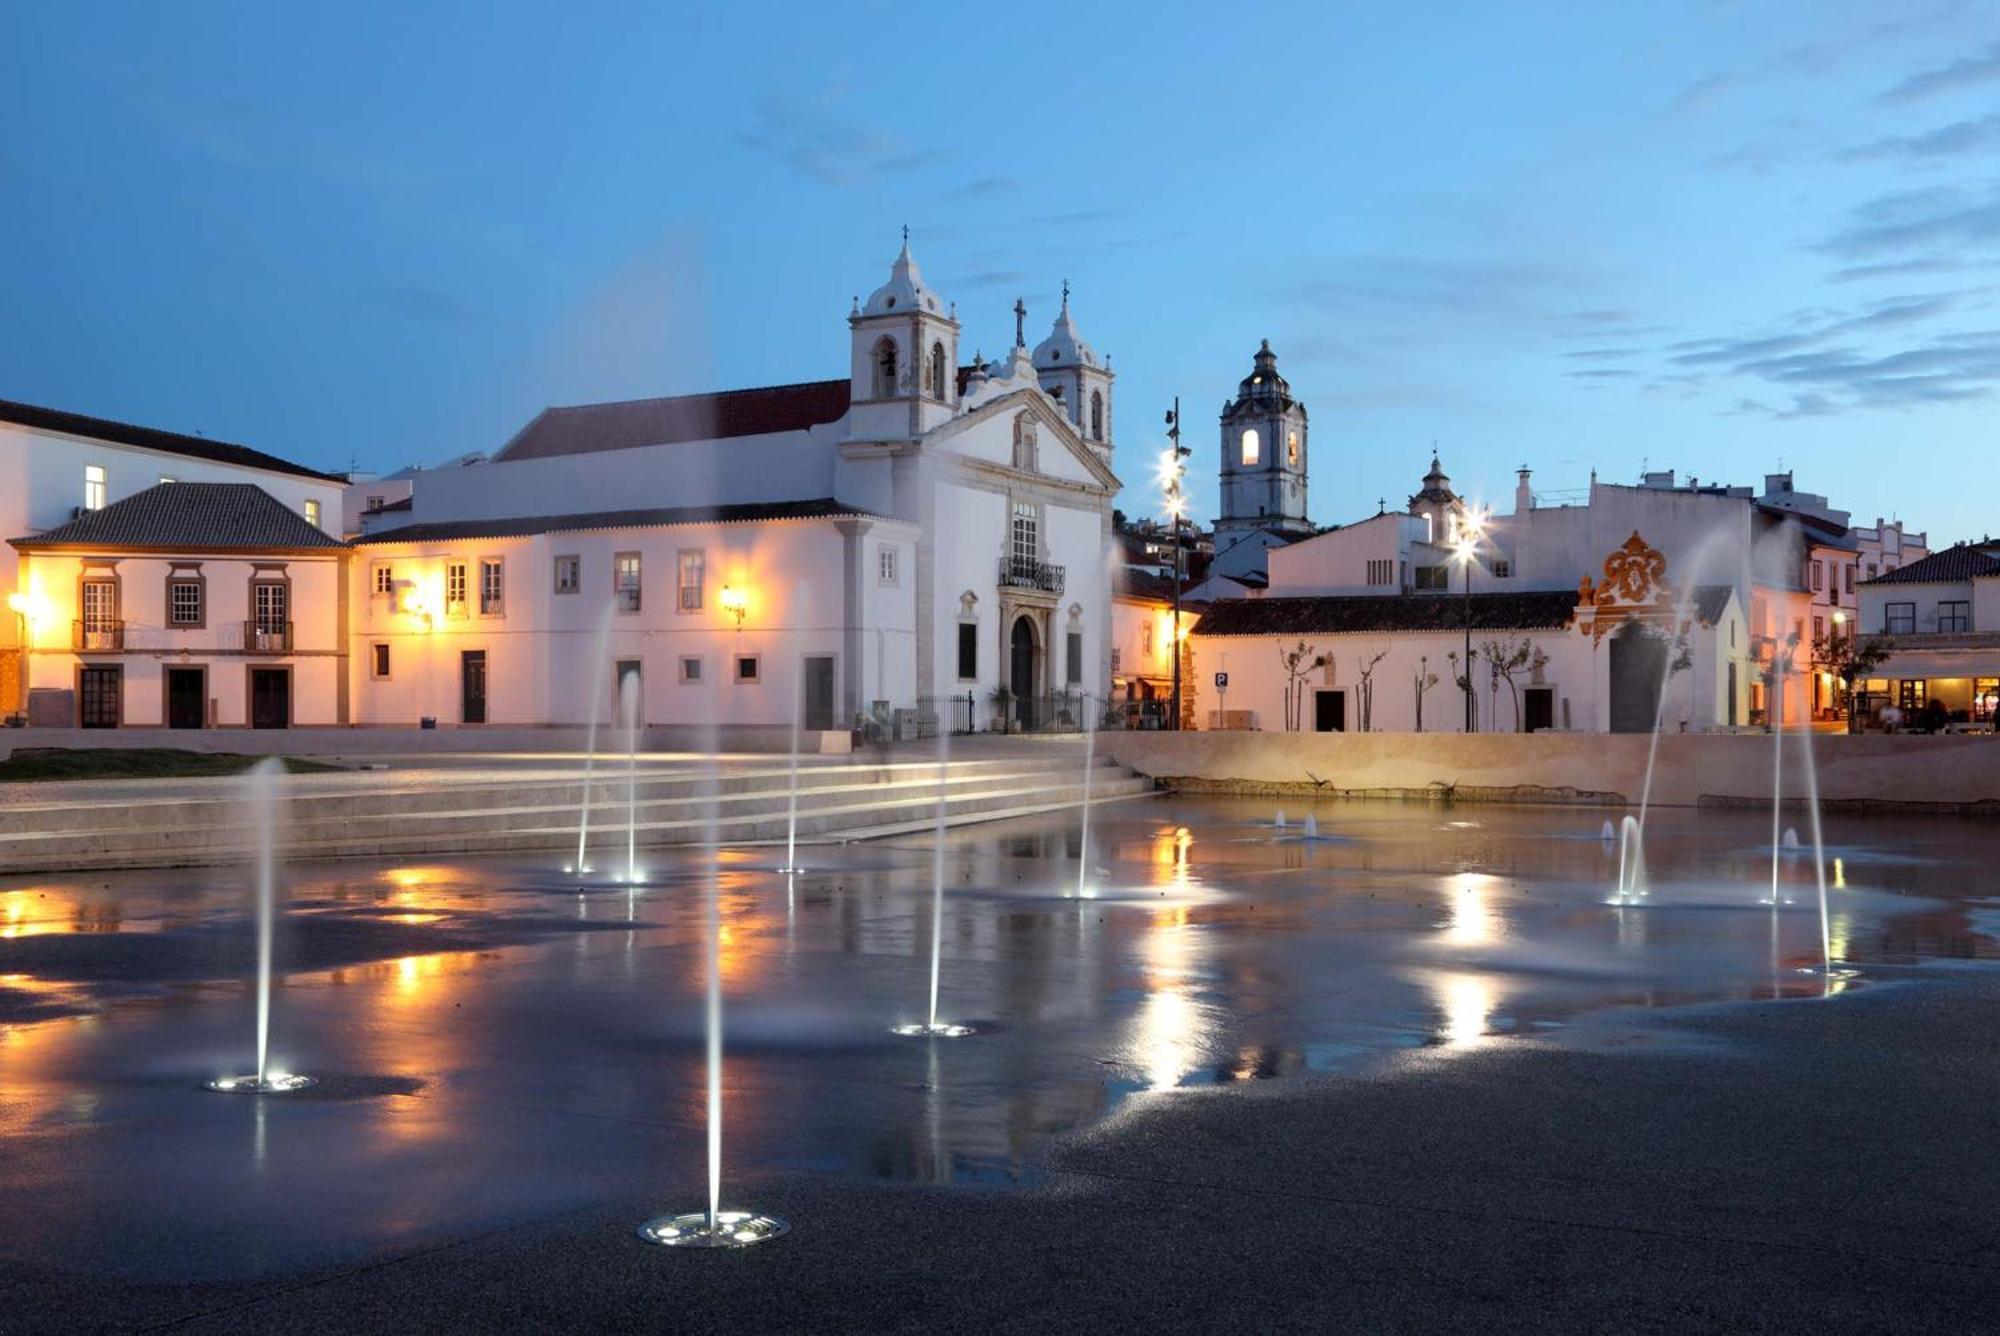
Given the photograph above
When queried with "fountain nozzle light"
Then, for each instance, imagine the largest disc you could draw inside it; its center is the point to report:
(937, 1030)
(730, 1229)
(278, 1083)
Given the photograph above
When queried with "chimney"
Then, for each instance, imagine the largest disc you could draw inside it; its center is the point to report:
(1524, 496)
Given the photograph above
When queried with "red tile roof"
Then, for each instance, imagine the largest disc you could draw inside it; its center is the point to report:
(632, 423)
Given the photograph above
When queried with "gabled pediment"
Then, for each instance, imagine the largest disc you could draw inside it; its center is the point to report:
(991, 424)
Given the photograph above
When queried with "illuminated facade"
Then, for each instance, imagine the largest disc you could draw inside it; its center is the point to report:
(1941, 618)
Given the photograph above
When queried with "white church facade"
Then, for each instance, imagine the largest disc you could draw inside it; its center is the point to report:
(914, 542)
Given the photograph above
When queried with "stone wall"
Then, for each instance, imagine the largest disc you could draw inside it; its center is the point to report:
(1871, 771)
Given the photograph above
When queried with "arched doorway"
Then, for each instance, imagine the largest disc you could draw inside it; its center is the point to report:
(1021, 670)
(1638, 659)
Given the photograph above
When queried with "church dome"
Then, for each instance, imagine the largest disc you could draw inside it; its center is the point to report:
(1436, 489)
(1062, 347)
(905, 290)
(1263, 391)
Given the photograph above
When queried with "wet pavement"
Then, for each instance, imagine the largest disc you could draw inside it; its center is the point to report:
(501, 1052)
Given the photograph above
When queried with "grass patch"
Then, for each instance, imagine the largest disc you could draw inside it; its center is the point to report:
(32, 764)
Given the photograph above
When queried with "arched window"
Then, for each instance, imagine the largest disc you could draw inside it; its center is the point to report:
(885, 368)
(1291, 449)
(1096, 415)
(1250, 453)
(939, 385)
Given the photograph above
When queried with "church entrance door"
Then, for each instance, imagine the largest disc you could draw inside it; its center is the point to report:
(1021, 671)
(1638, 659)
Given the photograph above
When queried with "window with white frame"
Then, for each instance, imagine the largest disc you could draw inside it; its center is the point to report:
(885, 566)
(312, 513)
(271, 602)
(385, 578)
(492, 588)
(625, 580)
(1026, 547)
(691, 669)
(748, 669)
(693, 571)
(454, 589)
(94, 484)
(184, 602)
(569, 574)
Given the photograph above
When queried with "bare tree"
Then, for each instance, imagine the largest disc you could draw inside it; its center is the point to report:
(1297, 663)
(1367, 689)
(1421, 681)
(1463, 681)
(1506, 658)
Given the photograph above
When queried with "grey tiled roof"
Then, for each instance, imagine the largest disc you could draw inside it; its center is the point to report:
(1963, 562)
(189, 517)
(151, 438)
(631, 423)
(1335, 614)
(522, 526)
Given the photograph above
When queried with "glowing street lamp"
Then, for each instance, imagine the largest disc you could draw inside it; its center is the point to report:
(736, 602)
(1465, 550)
(1174, 501)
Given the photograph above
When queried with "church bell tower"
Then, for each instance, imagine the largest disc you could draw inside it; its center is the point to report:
(1264, 453)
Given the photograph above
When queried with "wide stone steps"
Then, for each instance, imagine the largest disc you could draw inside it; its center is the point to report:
(835, 802)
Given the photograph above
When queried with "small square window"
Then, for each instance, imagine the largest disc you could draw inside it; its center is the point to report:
(747, 668)
(691, 669)
(569, 574)
(378, 660)
(385, 579)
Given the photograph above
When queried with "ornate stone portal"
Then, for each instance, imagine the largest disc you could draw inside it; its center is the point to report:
(1634, 590)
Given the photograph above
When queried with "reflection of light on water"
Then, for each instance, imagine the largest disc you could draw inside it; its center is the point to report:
(1840, 873)
(1170, 857)
(1471, 919)
(1839, 928)
(1466, 1001)
(1169, 1028)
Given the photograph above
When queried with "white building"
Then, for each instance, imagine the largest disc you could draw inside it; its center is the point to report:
(57, 469)
(912, 535)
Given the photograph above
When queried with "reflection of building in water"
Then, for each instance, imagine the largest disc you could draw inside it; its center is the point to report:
(1171, 1031)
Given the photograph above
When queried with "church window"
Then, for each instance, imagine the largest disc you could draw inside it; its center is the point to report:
(1073, 656)
(885, 368)
(1024, 441)
(968, 651)
(1250, 450)
(1026, 547)
(1096, 415)
(1291, 449)
(938, 382)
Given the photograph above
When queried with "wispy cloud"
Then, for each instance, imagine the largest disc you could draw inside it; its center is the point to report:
(811, 136)
(1704, 93)
(1919, 264)
(983, 188)
(1933, 219)
(1965, 72)
(1932, 145)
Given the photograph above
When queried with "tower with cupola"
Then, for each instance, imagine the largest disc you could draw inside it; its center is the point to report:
(1263, 473)
(1071, 372)
(904, 356)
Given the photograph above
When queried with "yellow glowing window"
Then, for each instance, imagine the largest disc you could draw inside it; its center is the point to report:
(1250, 451)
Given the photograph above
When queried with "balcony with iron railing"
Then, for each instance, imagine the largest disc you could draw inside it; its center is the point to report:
(98, 634)
(267, 637)
(1018, 573)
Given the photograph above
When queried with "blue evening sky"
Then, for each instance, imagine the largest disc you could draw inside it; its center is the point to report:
(1704, 236)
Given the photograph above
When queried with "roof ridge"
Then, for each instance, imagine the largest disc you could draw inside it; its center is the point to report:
(697, 394)
(118, 432)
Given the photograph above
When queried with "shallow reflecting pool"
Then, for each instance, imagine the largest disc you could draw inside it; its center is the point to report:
(494, 1044)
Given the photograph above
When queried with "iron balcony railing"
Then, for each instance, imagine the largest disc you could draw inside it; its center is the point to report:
(97, 634)
(1016, 573)
(267, 637)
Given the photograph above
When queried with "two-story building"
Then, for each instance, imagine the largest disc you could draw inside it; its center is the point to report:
(186, 605)
(1941, 616)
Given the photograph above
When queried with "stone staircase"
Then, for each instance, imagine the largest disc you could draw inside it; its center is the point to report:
(365, 814)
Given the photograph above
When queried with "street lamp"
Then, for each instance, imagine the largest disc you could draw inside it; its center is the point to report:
(1471, 528)
(1172, 470)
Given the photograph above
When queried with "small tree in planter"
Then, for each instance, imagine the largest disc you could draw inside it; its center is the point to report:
(1367, 690)
(1848, 657)
(1297, 663)
(1422, 681)
(1003, 708)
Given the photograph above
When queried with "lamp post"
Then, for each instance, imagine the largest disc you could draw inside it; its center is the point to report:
(1466, 549)
(1171, 472)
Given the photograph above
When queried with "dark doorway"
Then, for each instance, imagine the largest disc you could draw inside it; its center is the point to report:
(472, 686)
(270, 698)
(1329, 711)
(187, 697)
(1541, 708)
(1732, 695)
(1021, 671)
(819, 693)
(633, 671)
(98, 695)
(1638, 658)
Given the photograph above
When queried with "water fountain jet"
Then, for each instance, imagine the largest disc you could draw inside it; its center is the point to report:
(582, 864)
(933, 1028)
(262, 791)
